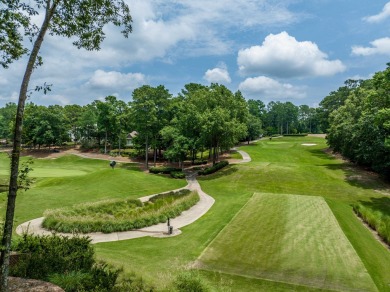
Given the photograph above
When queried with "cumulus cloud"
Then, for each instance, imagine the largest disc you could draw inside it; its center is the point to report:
(385, 13)
(380, 46)
(219, 74)
(268, 88)
(281, 55)
(116, 80)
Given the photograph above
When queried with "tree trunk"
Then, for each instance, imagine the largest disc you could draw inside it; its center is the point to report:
(105, 143)
(154, 156)
(15, 156)
(147, 154)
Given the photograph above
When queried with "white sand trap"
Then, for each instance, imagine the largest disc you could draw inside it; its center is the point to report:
(308, 144)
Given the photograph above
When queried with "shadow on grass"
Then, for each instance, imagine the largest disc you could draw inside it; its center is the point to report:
(378, 204)
(354, 175)
(322, 154)
(129, 166)
(360, 178)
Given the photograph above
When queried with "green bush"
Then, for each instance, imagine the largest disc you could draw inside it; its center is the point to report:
(214, 168)
(44, 255)
(375, 219)
(120, 215)
(190, 281)
(66, 262)
(178, 174)
(199, 162)
(163, 169)
(295, 135)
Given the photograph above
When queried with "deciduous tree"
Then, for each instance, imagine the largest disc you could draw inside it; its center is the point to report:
(82, 20)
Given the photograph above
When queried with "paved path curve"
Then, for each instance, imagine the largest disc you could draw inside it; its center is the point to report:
(159, 230)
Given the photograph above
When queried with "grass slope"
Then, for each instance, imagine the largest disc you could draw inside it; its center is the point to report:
(99, 182)
(288, 238)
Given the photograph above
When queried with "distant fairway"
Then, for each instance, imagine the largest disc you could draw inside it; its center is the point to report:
(50, 172)
(288, 238)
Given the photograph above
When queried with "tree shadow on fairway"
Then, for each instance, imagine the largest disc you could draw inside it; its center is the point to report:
(129, 166)
(378, 204)
(320, 153)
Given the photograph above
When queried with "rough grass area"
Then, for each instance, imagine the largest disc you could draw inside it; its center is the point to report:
(119, 215)
(288, 238)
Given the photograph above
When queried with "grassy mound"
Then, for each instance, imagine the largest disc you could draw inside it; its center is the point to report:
(119, 215)
(288, 238)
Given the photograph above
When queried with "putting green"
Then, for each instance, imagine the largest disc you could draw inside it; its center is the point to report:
(288, 238)
(50, 172)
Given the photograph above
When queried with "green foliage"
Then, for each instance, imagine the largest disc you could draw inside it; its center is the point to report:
(120, 215)
(191, 281)
(294, 135)
(214, 168)
(45, 255)
(358, 128)
(199, 162)
(163, 169)
(178, 174)
(375, 219)
(132, 283)
(67, 262)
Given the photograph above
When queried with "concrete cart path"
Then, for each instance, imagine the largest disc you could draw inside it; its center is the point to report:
(160, 230)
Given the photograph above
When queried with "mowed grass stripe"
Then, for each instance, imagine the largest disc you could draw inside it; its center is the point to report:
(288, 238)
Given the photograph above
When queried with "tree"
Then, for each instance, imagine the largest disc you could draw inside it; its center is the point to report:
(150, 113)
(82, 20)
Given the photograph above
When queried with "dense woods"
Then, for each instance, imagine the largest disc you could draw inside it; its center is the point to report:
(199, 118)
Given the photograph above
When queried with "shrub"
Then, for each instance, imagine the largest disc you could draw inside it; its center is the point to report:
(199, 162)
(178, 174)
(44, 255)
(295, 135)
(163, 169)
(214, 168)
(190, 281)
(66, 262)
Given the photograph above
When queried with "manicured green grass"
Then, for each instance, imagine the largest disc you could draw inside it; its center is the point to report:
(288, 238)
(98, 183)
(285, 167)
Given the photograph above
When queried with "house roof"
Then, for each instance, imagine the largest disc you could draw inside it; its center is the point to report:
(132, 135)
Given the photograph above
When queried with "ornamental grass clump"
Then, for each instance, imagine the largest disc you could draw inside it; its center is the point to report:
(375, 219)
(119, 215)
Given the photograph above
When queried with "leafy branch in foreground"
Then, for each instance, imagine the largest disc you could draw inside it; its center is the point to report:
(82, 20)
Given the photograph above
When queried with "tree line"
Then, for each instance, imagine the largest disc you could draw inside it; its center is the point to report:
(357, 117)
(199, 118)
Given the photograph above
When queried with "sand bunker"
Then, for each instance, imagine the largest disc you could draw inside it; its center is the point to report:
(308, 144)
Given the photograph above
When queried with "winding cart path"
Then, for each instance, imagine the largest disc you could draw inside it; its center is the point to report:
(160, 230)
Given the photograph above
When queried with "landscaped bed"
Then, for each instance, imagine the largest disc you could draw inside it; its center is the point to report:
(120, 215)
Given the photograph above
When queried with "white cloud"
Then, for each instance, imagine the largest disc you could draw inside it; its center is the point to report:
(116, 80)
(267, 88)
(219, 74)
(281, 55)
(380, 46)
(385, 13)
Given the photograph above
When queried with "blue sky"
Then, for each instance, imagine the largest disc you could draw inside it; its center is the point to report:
(286, 50)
